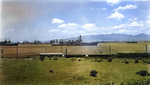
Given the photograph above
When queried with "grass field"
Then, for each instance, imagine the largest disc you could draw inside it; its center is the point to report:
(69, 71)
(127, 47)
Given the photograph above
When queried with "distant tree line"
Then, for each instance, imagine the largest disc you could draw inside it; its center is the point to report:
(66, 42)
(53, 42)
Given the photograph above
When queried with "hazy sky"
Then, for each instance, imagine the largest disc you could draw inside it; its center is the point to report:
(50, 19)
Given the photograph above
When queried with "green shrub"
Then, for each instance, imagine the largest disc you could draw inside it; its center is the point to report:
(140, 82)
(143, 73)
(136, 61)
(146, 61)
(41, 58)
(93, 73)
(126, 62)
(49, 57)
(132, 55)
(109, 60)
(79, 59)
(122, 83)
(55, 58)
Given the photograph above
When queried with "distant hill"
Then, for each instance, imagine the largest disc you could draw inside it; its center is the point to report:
(114, 37)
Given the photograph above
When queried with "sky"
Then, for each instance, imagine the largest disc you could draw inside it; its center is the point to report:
(58, 19)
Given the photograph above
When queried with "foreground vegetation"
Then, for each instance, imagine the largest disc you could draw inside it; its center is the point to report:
(72, 71)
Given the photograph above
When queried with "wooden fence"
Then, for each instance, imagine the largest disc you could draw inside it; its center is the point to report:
(25, 50)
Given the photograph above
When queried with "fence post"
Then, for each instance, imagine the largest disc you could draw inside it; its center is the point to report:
(17, 52)
(2, 51)
(146, 48)
(66, 51)
(110, 50)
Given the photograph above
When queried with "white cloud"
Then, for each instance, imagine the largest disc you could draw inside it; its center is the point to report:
(116, 15)
(64, 31)
(136, 24)
(148, 32)
(90, 26)
(141, 28)
(103, 8)
(68, 25)
(54, 30)
(130, 6)
(148, 22)
(132, 19)
(97, 9)
(91, 8)
(110, 2)
(62, 26)
(72, 24)
(9, 29)
(148, 16)
(119, 26)
(113, 1)
(122, 31)
(58, 21)
(141, 0)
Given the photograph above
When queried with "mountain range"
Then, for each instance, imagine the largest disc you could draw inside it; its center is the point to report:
(113, 37)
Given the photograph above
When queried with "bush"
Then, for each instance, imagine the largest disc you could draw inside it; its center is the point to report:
(42, 58)
(51, 71)
(109, 60)
(49, 57)
(79, 59)
(126, 62)
(93, 73)
(136, 61)
(142, 73)
(122, 83)
(146, 61)
(140, 82)
(95, 59)
(55, 58)
(132, 55)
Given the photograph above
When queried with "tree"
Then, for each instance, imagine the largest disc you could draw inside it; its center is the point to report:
(61, 42)
(18, 42)
(37, 42)
(25, 42)
(51, 42)
(56, 40)
(8, 41)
